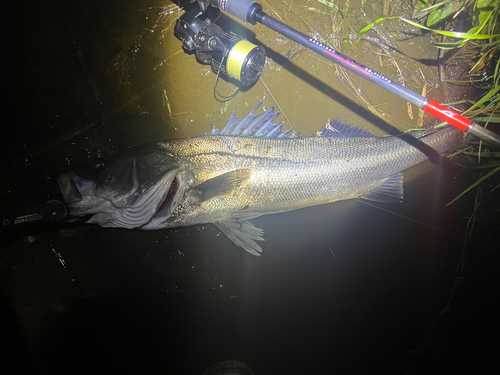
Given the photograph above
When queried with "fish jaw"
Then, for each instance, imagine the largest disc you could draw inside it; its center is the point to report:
(79, 195)
(82, 199)
(170, 201)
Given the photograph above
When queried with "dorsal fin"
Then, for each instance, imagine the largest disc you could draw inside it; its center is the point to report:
(253, 125)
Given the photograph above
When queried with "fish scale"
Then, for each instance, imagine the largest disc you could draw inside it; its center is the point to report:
(314, 170)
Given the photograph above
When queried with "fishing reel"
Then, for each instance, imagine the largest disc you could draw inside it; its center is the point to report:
(227, 52)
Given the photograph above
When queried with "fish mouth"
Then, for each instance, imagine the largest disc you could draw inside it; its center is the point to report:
(170, 202)
(78, 195)
(67, 186)
(147, 211)
(166, 206)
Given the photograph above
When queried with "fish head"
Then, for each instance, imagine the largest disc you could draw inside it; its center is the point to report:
(135, 189)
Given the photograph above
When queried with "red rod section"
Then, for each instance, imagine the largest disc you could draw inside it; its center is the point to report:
(448, 115)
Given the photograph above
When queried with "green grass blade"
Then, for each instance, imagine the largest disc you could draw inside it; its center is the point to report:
(369, 26)
(492, 164)
(494, 120)
(453, 34)
(486, 176)
(432, 7)
(483, 154)
(441, 14)
(329, 4)
(481, 101)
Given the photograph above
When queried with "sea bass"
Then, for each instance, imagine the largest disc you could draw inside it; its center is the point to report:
(251, 167)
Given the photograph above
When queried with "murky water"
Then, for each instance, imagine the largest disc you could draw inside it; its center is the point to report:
(308, 89)
(344, 288)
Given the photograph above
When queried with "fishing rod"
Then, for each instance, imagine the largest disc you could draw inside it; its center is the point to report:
(50, 211)
(252, 64)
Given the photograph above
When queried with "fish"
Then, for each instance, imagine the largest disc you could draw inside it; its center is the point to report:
(252, 167)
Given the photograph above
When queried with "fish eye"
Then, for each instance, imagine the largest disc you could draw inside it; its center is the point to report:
(99, 165)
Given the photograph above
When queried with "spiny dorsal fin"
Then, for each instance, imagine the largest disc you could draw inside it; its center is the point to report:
(253, 125)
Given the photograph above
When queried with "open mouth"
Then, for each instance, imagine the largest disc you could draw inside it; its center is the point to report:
(172, 199)
(134, 209)
(167, 202)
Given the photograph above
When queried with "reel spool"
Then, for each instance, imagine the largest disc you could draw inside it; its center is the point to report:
(227, 52)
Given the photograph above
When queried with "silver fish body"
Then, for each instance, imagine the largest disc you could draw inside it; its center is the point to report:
(252, 168)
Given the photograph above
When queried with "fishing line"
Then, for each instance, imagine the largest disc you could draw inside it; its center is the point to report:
(427, 225)
(216, 92)
(458, 278)
(226, 52)
(250, 11)
(277, 104)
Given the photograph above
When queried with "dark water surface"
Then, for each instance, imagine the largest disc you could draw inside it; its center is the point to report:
(347, 288)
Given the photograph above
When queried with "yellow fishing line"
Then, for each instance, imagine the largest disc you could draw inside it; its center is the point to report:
(237, 56)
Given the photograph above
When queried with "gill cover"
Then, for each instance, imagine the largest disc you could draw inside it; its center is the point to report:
(141, 211)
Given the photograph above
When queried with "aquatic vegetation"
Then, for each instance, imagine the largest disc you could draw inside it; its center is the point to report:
(483, 35)
(485, 73)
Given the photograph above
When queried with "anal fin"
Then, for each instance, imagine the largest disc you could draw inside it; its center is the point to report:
(389, 191)
(242, 233)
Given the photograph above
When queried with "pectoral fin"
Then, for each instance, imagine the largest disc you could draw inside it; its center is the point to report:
(242, 233)
(226, 183)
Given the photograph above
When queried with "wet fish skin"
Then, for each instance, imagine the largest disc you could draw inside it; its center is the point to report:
(252, 168)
